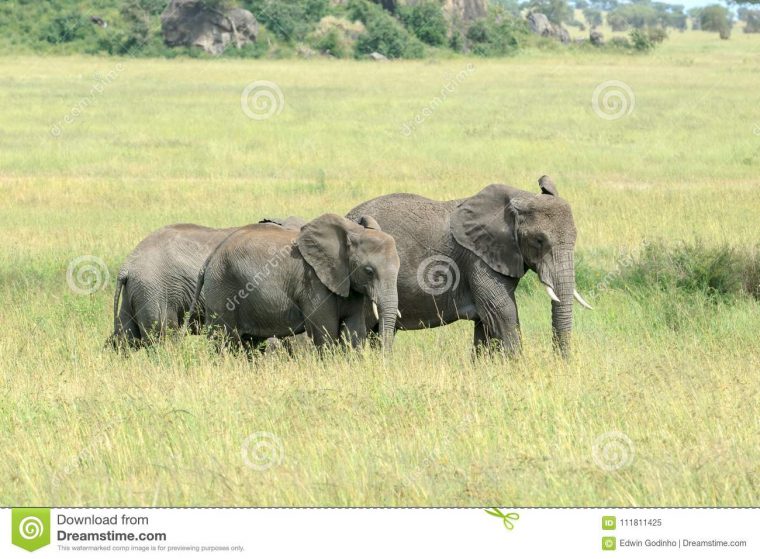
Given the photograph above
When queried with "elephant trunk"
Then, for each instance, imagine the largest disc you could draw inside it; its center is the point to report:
(562, 310)
(388, 306)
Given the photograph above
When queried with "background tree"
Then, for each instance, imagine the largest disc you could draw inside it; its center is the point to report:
(633, 15)
(592, 16)
(716, 18)
(604, 5)
(557, 11)
(752, 19)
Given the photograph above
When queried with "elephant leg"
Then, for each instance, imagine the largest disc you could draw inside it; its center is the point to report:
(126, 331)
(498, 323)
(354, 331)
(373, 336)
(321, 319)
(150, 322)
(324, 337)
(480, 340)
(323, 333)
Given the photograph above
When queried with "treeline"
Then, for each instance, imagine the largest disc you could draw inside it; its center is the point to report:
(350, 28)
(646, 14)
(353, 28)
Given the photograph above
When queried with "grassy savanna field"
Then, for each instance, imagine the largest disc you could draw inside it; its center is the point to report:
(664, 383)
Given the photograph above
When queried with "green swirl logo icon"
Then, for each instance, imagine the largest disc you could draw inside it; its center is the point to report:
(30, 528)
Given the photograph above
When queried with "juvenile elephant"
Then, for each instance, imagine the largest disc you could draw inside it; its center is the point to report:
(462, 259)
(156, 283)
(266, 281)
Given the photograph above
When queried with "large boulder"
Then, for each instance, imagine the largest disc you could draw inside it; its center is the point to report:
(191, 23)
(540, 25)
(465, 10)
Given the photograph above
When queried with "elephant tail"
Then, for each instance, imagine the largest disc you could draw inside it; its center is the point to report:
(120, 281)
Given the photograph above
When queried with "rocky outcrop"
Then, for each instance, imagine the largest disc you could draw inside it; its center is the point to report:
(465, 10)
(540, 25)
(191, 23)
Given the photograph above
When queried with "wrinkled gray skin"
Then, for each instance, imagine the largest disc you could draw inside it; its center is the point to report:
(157, 281)
(490, 240)
(266, 281)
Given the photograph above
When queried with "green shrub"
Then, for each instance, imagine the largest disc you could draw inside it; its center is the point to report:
(426, 21)
(66, 28)
(647, 39)
(716, 272)
(330, 43)
(290, 20)
(383, 33)
(657, 34)
(457, 41)
(640, 40)
(498, 34)
(620, 42)
(336, 36)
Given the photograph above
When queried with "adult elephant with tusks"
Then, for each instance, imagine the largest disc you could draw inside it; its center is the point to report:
(463, 259)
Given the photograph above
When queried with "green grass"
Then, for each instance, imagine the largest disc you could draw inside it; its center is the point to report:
(674, 370)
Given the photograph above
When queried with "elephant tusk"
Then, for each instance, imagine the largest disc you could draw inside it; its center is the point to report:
(581, 300)
(374, 310)
(552, 295)
(398, 312)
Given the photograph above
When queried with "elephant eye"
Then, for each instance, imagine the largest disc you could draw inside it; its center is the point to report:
(369, 271)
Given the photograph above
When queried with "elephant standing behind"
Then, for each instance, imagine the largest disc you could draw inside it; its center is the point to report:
(266, 281)
(463, 259)
(156, 283)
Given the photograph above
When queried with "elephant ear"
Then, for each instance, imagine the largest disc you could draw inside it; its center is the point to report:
(323, 242)
(547, 186)
(369, 222)
(485, 224)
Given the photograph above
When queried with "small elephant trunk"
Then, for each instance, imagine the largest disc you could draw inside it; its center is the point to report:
(562, 312)
(388, 307)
